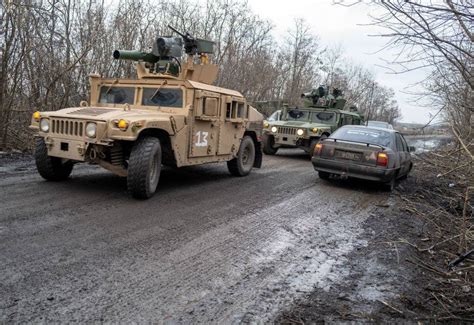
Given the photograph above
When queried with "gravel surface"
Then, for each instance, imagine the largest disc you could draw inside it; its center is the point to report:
(207, 248)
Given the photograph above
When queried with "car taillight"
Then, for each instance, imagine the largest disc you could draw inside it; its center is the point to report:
(382, 159)
(317, 148)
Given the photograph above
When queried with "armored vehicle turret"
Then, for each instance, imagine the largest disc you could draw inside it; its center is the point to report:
(170, 115)
(322, 114)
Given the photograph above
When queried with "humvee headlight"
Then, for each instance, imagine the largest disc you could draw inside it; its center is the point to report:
(122, 124)
(36, 116)
(266, 124)
(91, 130)
(274, 129)
(314, 130)
(300, 132)
(44, 125)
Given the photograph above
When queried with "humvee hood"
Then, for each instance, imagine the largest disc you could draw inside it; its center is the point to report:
(300, 124)
(105, 113)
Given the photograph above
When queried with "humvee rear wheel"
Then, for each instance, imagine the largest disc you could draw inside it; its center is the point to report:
(144, 167)
(243, 163)
(50, 168)
(269, 145)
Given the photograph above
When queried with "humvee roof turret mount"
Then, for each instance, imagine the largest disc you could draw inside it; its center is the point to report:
(171, 114)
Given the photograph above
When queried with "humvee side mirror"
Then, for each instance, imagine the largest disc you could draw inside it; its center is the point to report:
(412, 148)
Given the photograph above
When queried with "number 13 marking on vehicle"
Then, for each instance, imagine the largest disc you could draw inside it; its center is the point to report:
(201, 138)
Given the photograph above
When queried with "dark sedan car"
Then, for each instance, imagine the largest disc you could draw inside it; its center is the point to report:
(363, 152)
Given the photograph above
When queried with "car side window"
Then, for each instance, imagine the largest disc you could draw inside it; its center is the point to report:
(399, 142)
(404, 142)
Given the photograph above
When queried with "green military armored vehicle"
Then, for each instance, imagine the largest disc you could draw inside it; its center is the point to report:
(303, 127)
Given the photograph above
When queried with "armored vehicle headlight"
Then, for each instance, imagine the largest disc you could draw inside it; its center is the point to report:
(91, 130)
(274, 129)
(36, 116)
(300, 131)
(44, 125)
(266, 124)
(314, 130)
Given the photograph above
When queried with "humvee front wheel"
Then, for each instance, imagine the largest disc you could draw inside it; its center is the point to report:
(269, 145)
(144, 167)
(50, 168)
(243, 163)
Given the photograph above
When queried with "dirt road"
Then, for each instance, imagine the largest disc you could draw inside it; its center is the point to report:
(207, 248)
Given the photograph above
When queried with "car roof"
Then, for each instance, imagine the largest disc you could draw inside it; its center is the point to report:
(369, 127)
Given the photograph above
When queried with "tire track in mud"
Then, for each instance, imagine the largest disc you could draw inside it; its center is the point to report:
(207, 248)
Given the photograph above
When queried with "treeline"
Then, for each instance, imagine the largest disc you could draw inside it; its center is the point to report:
(50, 47)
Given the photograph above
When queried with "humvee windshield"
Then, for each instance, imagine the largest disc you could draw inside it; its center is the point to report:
(323, 117)
(297, 115)
(168, 97)
(275, 116)
(116, 95)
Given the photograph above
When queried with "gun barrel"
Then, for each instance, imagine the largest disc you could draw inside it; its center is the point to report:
(135, 56)
(177, 32)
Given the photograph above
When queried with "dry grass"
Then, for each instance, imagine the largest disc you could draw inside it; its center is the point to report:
(442, 198)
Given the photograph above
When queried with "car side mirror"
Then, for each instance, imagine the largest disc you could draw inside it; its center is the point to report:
(411, 149)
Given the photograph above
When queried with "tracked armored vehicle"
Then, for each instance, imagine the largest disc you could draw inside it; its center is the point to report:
(303, 127)
(170, 115)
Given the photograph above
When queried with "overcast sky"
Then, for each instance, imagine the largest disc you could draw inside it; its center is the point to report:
(335, 25)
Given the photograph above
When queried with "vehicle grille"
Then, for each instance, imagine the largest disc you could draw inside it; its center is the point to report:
(286, 130)
(67, 127)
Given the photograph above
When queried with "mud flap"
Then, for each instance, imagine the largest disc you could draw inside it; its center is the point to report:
(258, 154)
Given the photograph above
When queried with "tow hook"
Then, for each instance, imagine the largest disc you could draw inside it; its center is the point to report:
(49, 142)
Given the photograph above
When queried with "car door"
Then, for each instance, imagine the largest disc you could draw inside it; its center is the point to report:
(407, 154)
(401, 154)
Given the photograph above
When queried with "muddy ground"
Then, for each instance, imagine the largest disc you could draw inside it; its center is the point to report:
(280, 244)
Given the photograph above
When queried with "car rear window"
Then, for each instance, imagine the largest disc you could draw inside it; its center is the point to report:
(378, 124)
(365, 135)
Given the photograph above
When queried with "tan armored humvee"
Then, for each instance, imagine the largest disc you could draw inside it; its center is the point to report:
(169, 115)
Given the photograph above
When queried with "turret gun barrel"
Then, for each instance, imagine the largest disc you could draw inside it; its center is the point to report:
(135, 56)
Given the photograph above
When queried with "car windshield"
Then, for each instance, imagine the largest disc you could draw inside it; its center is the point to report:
(323, 117)
(168, 97)
(297, 115)
(365, 135)
(116, 95)
(378, 124)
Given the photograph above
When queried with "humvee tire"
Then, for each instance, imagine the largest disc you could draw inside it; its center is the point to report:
(268, 142)
(312, 145)
(50, 168)
(324, 175)
(243, 163)
(144, 167)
